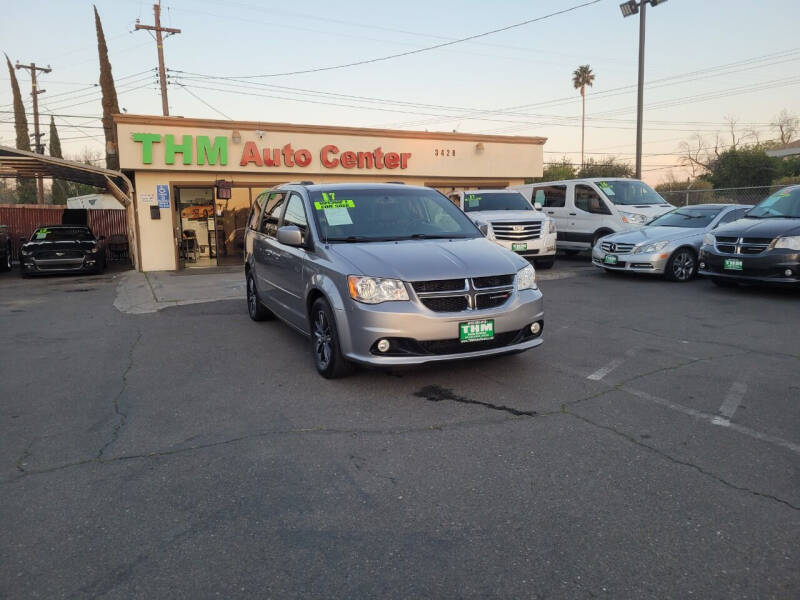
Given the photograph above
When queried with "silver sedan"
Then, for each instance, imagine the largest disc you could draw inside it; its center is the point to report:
(668, 245)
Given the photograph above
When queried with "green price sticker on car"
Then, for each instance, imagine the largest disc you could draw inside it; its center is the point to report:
(610, 259)
(519, 247)
(475, 331)
(733, 264)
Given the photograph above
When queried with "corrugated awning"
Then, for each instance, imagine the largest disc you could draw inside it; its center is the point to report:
(19, 163)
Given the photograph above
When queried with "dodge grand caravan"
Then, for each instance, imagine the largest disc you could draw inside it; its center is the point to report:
(512, 223)
(386, 274)
(587, 209)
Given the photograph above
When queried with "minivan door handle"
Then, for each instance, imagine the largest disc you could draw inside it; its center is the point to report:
(551, 212)
(573, 214)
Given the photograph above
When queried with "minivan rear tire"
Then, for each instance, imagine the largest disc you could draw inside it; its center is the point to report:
(325, 348)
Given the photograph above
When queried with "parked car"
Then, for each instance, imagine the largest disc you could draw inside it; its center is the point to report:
(587, 209)
(668, 245)
(5, 249)
(763, 246)
(62, 249)
(512, 223)
(386, 274)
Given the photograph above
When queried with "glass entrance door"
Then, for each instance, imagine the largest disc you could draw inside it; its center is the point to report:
(198, 225)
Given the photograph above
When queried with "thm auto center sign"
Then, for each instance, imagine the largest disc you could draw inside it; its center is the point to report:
(202, 150)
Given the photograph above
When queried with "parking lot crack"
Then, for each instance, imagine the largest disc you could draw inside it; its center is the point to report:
(680, 462)
(120, 416)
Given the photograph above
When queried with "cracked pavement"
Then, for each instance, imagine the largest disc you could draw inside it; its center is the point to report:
(190, 453)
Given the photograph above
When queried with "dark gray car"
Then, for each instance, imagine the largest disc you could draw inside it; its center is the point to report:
(386, 274)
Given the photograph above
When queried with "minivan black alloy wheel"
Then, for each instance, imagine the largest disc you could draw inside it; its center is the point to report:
(681, 266)
(328, 357)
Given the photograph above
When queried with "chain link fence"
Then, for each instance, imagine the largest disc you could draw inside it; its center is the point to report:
(745, 195)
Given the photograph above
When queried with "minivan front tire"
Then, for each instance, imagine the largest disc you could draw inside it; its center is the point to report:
(256, 310)
(325, 348)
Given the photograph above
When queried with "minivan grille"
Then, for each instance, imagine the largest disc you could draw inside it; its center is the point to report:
(446, 303)
(730, 245)
(518, 230)
(492, 281)
(442, 285)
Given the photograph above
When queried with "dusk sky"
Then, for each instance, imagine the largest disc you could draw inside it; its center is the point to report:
(706, 60)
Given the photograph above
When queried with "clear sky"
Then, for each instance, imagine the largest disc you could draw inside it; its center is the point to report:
(518, 81)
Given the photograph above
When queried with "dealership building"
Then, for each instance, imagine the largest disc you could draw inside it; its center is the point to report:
(194, 180)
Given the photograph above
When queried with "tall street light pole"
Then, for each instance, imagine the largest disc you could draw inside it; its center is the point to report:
(628, 9)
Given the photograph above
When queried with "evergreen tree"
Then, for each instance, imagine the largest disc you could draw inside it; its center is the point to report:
(110, 104)
(59, 189)
(26, 186)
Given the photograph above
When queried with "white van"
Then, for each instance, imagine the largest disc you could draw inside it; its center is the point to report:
(512, 223)
(587, 209)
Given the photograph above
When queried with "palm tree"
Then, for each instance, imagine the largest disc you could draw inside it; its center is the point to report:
(581, 77)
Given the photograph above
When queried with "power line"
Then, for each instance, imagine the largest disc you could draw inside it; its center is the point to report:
(191, 93)
(416, 51)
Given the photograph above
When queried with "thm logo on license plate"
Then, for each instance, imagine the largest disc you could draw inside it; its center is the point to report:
(519, 247)
(610, 259)
(733, 264)
(474, 331)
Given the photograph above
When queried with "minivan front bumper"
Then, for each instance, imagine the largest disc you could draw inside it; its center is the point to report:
(768, 267)
(418, 335)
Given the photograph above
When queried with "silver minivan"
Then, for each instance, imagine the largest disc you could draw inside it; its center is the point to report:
(587, 209)
(386, 274)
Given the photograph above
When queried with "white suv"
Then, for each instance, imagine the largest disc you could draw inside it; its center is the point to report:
(512, 222)
(587, 209)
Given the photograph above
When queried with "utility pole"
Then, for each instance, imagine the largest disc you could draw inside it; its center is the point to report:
(629, 8)
(160, 43)
(38, 146)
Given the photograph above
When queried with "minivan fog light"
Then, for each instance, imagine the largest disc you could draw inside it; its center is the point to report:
(788, 272)
(536, 328)
(383, 345)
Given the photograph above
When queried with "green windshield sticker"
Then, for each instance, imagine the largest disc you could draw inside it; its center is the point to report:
(329, 201)
(473, 200)
(606, 187)
(42, 233)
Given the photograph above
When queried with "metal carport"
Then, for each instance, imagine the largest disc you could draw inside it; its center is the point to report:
(19, 163)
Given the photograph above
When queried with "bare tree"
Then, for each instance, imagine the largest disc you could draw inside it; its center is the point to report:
(786, 126)
(697, 153)
(732, 122)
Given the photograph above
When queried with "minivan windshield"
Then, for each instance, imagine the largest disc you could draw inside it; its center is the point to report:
(388, 214)
(687, 216)
(629, 192)
(495, 201)
(783, 204)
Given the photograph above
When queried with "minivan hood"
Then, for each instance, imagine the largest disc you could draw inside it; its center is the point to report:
(761, 228)
(424, 260)
(489, 216)
(650, 234)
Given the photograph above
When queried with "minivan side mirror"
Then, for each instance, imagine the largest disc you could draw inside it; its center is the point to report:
(290, 235)
(483, 227)
(537, 205)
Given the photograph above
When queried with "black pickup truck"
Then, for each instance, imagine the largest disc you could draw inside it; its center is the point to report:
(5, 248)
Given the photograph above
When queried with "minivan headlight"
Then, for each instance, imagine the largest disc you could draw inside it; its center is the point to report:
(790, 242)
(708, 239)
(374, 290)
(650, 248)
(526, 278)
(634, 218)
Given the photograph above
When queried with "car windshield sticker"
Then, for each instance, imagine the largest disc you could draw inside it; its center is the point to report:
(329, 201)
(606, 187)
(338, 216)
(473, 200)
(42, 233)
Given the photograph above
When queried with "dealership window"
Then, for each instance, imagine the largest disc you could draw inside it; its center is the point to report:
(255, 214)
(552, 196)
(587, 199)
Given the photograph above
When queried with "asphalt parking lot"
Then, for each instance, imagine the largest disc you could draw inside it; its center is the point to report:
(648, 449)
